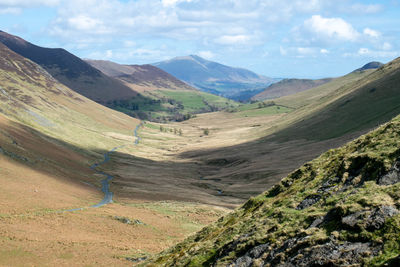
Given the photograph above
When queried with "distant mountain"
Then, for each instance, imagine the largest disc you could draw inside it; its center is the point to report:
(213, 77)
(288, 87)
(370, 65)
(70, 70)
(140, 77)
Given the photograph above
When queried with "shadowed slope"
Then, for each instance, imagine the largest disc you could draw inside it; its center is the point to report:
(70, 70)
(288, 87)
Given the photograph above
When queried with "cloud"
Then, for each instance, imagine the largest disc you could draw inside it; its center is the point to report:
(324, 51)
(173, 2)
(233, 39)
(371, 33)
(28, 3)
(10, 10)
(206, 54)
(370, 53)
(84, 23)
(330, 29)
(365, 9)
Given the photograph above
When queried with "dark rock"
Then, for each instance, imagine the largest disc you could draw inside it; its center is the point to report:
(316, 222)
(328, 185)
(377, 218)
(308, 201)
(127, 220)
(244, 261)
(353, 219)
(394, 262)
(332, 254)
(393, 176)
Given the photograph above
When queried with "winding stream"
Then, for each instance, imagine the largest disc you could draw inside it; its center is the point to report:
(105, 183)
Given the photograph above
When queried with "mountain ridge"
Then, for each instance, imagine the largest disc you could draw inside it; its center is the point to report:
(70, 70)
(214, 77)
(141, 75)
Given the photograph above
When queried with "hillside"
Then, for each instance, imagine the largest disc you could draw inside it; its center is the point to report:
(288, 87)
(357, 106)
(212, 77)
(56, 147)
(162, 97)
(70, 70)
(287, 134)
(140, 77)
(339, 209)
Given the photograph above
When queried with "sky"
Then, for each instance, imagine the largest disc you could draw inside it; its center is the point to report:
(276, 38)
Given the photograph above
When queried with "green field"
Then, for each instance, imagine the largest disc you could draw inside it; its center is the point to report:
(171, 105)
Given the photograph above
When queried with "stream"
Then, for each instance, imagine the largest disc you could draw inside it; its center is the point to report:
(105, 183)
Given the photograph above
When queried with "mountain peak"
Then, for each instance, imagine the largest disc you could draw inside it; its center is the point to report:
(371, 65)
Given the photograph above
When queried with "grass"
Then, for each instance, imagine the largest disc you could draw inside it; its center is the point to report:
(162, 105)
(272, 110)
(272, 217)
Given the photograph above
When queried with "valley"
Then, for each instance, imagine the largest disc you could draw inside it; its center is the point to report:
(99, 177)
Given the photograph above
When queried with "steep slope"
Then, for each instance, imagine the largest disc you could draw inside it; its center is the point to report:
(340, 209)
(357, 106)
(209, 76)
(49, 125)
(140, 77)
(288, 87)
(70, 70)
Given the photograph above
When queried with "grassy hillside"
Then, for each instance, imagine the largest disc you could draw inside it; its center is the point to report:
(49, 138)
(171, 105)
(254, 147)
(339, 209)
(354, 107)
(288, 87)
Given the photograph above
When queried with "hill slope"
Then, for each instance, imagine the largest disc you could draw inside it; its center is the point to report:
(140, 77)
(288, 87)
(70, 70)
(162, 97)
(209, 76)
(287, 136)
(339, 209)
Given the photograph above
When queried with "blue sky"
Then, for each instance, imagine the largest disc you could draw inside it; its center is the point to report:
(277, 38)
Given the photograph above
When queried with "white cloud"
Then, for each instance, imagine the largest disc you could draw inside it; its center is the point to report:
(330, 28)
(386, 46)
(363, 51)
(28, 3)
(10, 10)
(173, 2)
(365, 9)
(206, 54)
(370, 53)
(84, 23)
(129, 43)
(233, 39)
(324, 51)
(371, 33)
